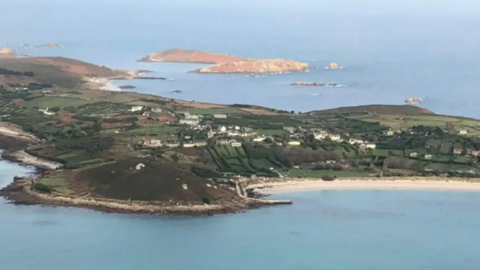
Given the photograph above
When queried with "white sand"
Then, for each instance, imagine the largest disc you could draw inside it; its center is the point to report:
(365, 184)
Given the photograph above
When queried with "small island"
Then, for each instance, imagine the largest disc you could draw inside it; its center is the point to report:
(224, 63)
(191, 56)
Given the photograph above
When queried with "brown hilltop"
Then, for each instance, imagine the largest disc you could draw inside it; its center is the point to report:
(191, 56)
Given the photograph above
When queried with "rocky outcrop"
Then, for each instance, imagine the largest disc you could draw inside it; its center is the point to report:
(6, 52)
(258, 66)
(50, 45)
(308, 84)
(191, 56)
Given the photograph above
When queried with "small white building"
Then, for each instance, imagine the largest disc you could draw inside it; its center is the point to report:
(289, 129)
(172, 144)
(355, 141)
(294, 143)
(463, 132)
(220, 116)
(236, 144)
(259, 139)
(320, 136)
(157, 110)
(139, 166)
(222, 129)
(191, 122)
(136, 108)
(428, 156)
(370, 145)
(414, 154)
(388, 132)
(335, 137)
(152, 143)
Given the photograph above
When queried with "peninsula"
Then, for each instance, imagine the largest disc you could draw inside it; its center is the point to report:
(136, 153)
(224, 63)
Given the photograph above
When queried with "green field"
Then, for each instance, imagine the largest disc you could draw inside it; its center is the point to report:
(270, 132)
(50, 102)
(214, 111)
(57, 182)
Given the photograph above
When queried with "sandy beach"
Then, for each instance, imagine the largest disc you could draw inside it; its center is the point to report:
(294, 185)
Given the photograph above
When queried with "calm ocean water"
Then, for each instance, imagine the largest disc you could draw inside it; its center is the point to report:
(339, 230)
(391, 50)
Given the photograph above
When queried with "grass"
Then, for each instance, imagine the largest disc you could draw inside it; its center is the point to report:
(320, 173)
(408, 121)
(270, 132)
(57, 182)
(214, 111)
(50, 102)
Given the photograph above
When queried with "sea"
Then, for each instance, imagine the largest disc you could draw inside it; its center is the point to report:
(389, 51)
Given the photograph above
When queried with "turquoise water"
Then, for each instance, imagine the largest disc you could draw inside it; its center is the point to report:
(339, 230)
(390, 50)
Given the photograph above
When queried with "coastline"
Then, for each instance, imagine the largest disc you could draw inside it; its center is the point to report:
(421, 183)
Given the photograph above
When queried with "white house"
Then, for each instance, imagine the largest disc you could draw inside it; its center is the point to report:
(139, 166)
(200, 143)
(222, 129)
(236, 144)
(136, 108)
(153, 143)
(191, 122)
(463, 132)
(335, 137)
(320, 136)
(259, 139)
(156, 110)
(388, 132)
(220, 116)
(414, 154)
(294, 143)
(370, 145)
(355, 141)
(428, 156)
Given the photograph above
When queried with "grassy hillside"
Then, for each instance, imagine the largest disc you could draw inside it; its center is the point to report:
(159, 181)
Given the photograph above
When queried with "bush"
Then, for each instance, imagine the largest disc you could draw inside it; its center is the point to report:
(206, 200)
(43, 188)
(328, 178)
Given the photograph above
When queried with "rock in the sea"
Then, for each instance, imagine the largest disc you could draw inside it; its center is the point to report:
(258, 66)
(308, 84)
(191, 56)
(50, 45)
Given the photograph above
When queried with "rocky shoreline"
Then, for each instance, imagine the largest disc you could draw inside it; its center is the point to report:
(21, 192)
